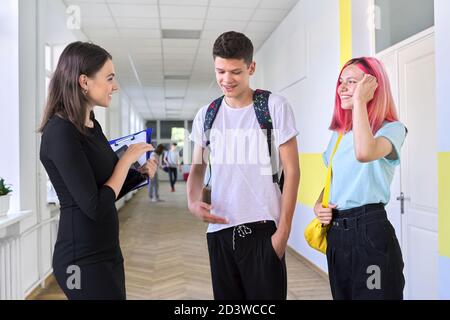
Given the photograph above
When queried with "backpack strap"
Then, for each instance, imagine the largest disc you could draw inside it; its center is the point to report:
(210, 116)
(261, 106)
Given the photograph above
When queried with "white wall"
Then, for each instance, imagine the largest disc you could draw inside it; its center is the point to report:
(442, 30)
(9, 91)
(28, 79)
(300, 60)
(25, 28)
(442, 16)
(305, 69)
(125, 112)
(40, 22)
(114, 117)
(123, 120)
(363, 17)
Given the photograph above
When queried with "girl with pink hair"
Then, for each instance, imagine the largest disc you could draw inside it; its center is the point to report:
(363, 253)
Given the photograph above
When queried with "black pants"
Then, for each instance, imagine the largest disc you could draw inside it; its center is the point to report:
(173, 176)
(364, 256)
(244, 265)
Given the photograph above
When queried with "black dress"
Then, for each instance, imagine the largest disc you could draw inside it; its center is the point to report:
(87, 260)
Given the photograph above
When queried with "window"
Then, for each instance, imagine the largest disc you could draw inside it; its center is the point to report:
(166, 128)
(48, 67)
(178, 136)
(401, 19)
(52, 197)
(48, 58)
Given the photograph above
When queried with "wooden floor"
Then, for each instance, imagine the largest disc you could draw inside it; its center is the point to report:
(166, 255)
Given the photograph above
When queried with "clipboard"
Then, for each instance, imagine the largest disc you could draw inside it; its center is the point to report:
(135, 179)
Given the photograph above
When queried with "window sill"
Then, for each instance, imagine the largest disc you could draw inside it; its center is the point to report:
(11, 220)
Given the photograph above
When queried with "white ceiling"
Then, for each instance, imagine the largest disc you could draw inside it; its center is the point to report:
(131, 31)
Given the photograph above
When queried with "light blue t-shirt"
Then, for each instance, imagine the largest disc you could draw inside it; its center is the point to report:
(355, 184)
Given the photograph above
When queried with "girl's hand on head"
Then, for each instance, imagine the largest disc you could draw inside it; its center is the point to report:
(365, 89)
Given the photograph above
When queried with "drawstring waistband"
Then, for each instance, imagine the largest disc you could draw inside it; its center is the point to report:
(242, 230)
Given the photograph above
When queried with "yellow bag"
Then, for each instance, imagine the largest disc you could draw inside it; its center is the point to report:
(316, 235)
(315, 231)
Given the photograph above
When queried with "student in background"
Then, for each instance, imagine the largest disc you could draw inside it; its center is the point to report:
(361, 240)
(172, 160)
(87, 174)
(153, 186)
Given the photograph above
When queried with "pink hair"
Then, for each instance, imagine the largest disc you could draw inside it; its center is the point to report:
(380, 109)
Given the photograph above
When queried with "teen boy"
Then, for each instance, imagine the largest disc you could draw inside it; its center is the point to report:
(251, 137)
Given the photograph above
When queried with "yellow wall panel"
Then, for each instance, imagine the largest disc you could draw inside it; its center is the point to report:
(312, 178)
(345, 7)
(444, 203)
(313, 170)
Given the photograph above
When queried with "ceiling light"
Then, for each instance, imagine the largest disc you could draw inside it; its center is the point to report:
(177, 77)
(180, 34)
(174, 98)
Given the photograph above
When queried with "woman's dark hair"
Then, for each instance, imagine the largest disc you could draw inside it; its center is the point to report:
(233, 45)
(160, 149)
(65, 95)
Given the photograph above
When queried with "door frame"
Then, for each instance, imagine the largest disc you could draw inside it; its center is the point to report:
(398, 188)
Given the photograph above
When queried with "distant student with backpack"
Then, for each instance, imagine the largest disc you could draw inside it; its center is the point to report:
(250, 138)
(172, 159)
(153, 186)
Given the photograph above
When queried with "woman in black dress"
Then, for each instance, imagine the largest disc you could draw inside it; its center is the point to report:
(87, 175)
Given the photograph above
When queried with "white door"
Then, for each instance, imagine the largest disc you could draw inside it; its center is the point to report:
(418, 171)
(411, 70)
(390, 61)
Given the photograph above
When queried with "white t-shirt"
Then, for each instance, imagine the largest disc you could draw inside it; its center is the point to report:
(242, 186)
(173, 158)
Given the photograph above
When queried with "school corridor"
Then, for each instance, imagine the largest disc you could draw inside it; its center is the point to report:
(166, 256)
(162, 53)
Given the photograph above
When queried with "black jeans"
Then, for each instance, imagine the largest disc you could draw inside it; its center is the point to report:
(244, 265)
(364, 256)
(173, 176)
